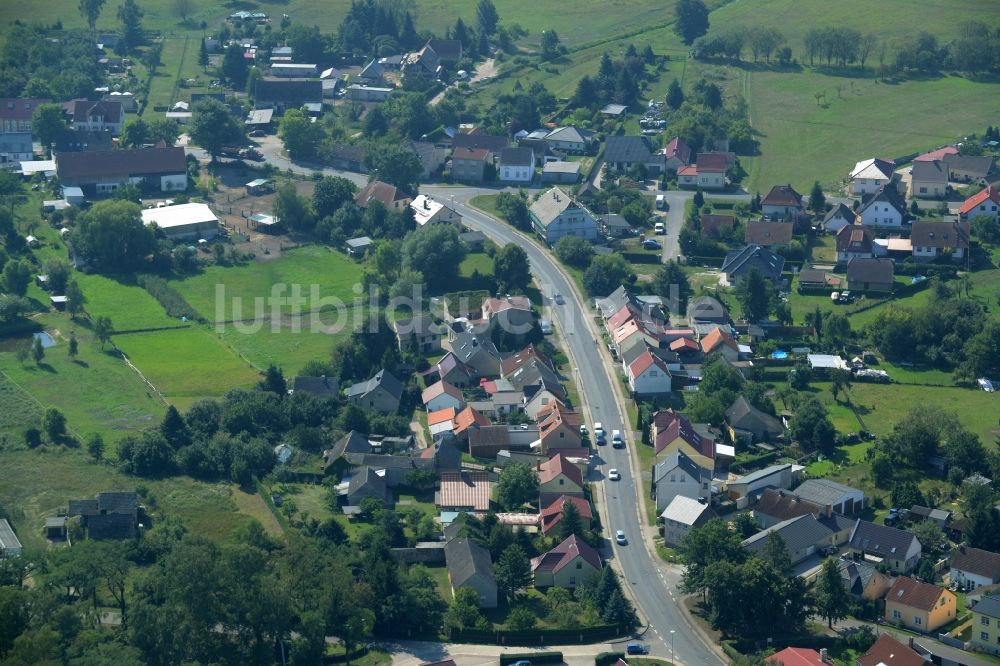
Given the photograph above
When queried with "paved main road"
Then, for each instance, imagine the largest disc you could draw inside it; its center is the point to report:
(653, 586)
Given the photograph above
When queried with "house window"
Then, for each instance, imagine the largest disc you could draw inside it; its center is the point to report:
(985, 621)
(916, 620)
(579, 565)
(560, 482)
(896, 615)
(983, 636)
(923, 190)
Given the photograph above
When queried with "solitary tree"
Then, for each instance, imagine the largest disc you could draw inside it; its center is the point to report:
(103, 328)
(130, 14)
(692, 20)
(518, 484)
(513, 571)
(91, 10)
(511, 268)
(675, 95)
(754, 296)
(203, 55)
(95, 447)
(75, 299)
(54, 423)
(37, 350)
(550, 44)
(832, 600)
(73, 346)
(213, 127)
(817, 200)
(487, 17)
(47, 122)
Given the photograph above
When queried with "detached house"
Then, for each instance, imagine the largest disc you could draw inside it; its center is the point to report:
(558, 428)
(930, 239)
(886, 208)
(682, 515)
(469, 164)
(552, 514)
(570, 139)
(623, 153)
(974, 567)
(738, 264)
(648, 375)
(897, 549)
(745, 420)
(284, 95)
(887, 651)
(441, 395)
(104, 171)
(388, 195)
(427, 210)
(986, 625)
(803, 536)
(381, 393)
(720, 342)
(985, 202)
(672, 432)
(863, 579)
(512, 314)
(873, 275)
(869, 175)
(782, 201)
(567, 565)
(98, 116)
(556, 214)
(710, 171)
(676, 155)
(418, 332)
(855, 242)
(839, 217)
(769, 234)
(469, 565)
(968, 168)
(110, 516)
(517, 165)
(919, 606)
(928, 180)
(678, 475)
(558, 476)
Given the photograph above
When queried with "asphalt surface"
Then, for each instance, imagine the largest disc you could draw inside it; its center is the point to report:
(653, 586)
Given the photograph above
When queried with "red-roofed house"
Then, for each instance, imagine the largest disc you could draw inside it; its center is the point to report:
(887, 651)
(719, 341)
(683, 346)
(671, 432)
(469, 164)
(711, 170)
(558, 427)
(509, 365)
(441, 423)
(469, 419)
(986, 202)
(855, 241)
(440, 395)
(553, 513)
(935, 155)
(648, 375)
(465, 491)
(558, 476)
(390, 196)
(676, 155)
(687, 176)
(567, 565)
(919, 605)
(793, 656)
(512, 314)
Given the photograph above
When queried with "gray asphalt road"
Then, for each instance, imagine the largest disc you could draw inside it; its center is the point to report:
(654, 593)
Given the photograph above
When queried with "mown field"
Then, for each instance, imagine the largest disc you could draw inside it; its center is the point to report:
(129, 306)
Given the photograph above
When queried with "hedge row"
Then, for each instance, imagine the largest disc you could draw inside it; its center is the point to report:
(169, 298)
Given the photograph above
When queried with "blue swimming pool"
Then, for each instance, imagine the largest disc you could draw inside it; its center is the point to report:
(46, 339)
(779, 355)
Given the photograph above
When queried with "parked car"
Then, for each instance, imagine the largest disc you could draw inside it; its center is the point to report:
(614, 475)
(659, 229)
(651, 244)
(600, 439)
(636, 648)
(620, 538)
(257, 133)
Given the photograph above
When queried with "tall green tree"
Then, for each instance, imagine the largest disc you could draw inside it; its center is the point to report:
(130, 15)
(712, 542)
(487, 17)
(112, 238)
(435, 251)
(675, 95)
(817, 200)
(513, 571)
(91, 10)
(832, 599)
(48, 122)
(511, 268)
(213, 127)
(692, 20)
(103, 328)
(234, 66)
(606, 273)
(330, 194)
(517, 485)
(17, 277)
(302, 138)
(203, 55)
(754, 292)
(572, 522)
(672, 285)
(75, 300)
(550, 44)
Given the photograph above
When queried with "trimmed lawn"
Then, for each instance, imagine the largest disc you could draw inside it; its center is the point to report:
(187, 363)
(282, 344)
(129, 306)
(476, 261)
(97, 391)
(312, 268)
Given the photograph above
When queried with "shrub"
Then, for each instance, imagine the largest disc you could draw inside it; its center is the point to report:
(168, 297)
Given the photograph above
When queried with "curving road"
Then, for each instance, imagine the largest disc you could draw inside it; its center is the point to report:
(653, 585)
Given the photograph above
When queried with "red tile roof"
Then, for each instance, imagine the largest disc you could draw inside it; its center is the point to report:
(379, 191)
(510, 364)
(683, 344)
(20, 109)
(477, 154)
(716, 338)
(671, 426)
(677, 148)
(469, 417)
(977, 561)
(980, 197)
(440, 388)
(644, 362)
(768, 233)
(782, 195)
(468, 490)
(688, 171)
(553, 513)
(914, 593)
(711, 163)
(793, 656)
(565, 554)
(855, 238)
(556, 465)
(440, 416)
(936, 154)
(890, 652)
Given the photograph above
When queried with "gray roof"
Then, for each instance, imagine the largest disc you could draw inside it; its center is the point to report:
(933, 171)
(318, 386)
(881, 539)
(558, 166)
(352, 442)
(359, 242)
(687, 511)
(927, 512)
(989, 606)
(382, 378)
(569, 133)
(288, 92)
(867, 269)
(707, 308)
(8, 540)
(366, 477)
(975, 163)
(466, 345)
(888, 194)
(856, 574)
(675, 460)
(823, 491)
(798, 533)
(763, 473)
(840, 210)
(627, 149)
(517, 157)
(741, 414)
(466, 559)
(550, 205)
(739, 262)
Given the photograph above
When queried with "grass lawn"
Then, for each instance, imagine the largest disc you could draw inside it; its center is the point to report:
(36, 484)
(476, 261)
(312, 268)
(130, 306)
(802, 140)
(97, 391)
(188, 363)
(283, 345)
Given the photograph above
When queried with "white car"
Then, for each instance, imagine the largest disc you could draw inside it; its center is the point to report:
(598, 429)
(614, 475)
(583, 429)
(620, 538)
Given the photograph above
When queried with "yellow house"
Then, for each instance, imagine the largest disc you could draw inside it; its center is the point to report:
(919, 606)
(986, 625)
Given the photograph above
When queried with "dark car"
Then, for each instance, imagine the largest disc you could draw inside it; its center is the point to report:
(257, 132)
(601, 439)
(636, 648)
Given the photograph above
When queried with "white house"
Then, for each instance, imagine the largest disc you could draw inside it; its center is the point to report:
(869, 175)
(682, 515)
(974, 567)
(517, 165)
(781, 201)
(556, 214)
(679, 475)
(569, 139)
(986, 202)
(648, 375)
(886, 208)
(190, 221)
(104, 171)
(427, 210)
(710, 171)
(441, 395)
(839, 217)
(928, 239)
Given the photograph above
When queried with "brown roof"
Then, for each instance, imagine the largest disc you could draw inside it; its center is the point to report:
(467, 418)
(565, 554)
(510, 364)
(855, 238)
(556, 465)
(793, 656)
(715, 338)
(875, 271)
(769, 233)
(711, 162)
(20, 109)
(977, 561)
(782, 195)
(84, 109)
(940, 234)
(890, 652)
(553, 513)
(914, 593)
(713, 226)
(135, 162)
(477, 154)
(470, 490)
(784, 506)
(384, 192)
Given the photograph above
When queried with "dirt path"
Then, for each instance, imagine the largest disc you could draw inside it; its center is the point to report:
(485, 71)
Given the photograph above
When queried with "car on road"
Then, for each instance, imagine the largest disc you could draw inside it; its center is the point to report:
(620, 538)
(558, 298)
(651, 244)
(614, 475)
(616, 439)
(600, 438)
(599, 429)
(660, 201)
